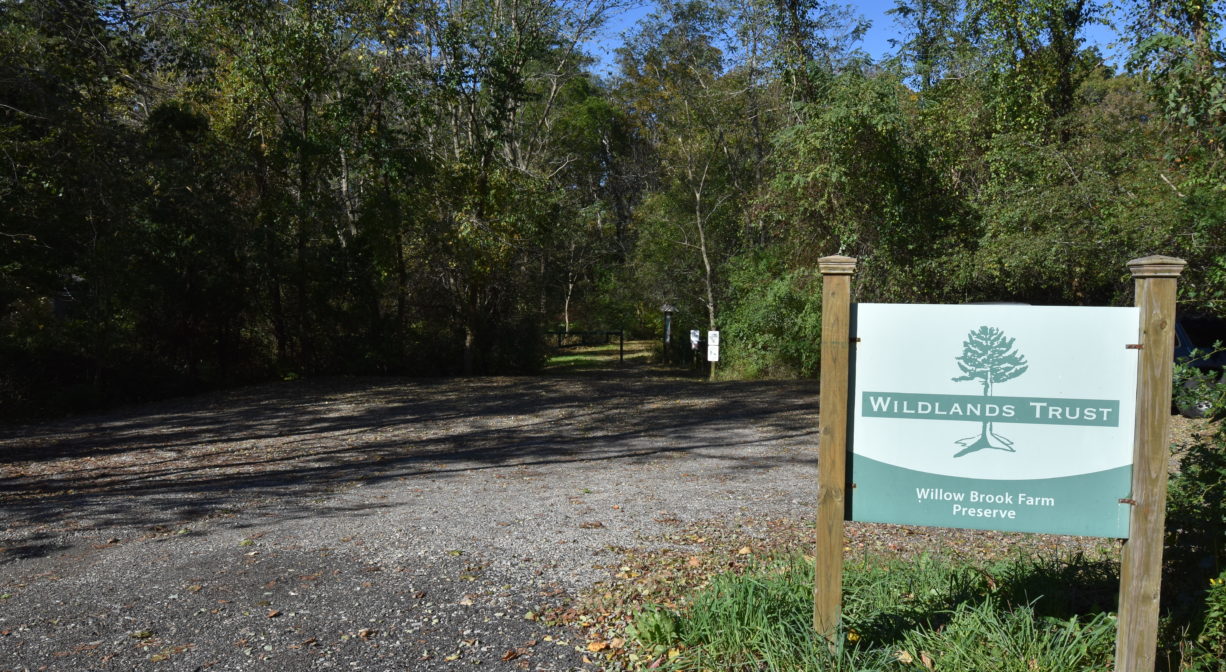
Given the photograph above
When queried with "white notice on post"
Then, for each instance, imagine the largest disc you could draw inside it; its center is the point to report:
(712, 353)
(713, 338)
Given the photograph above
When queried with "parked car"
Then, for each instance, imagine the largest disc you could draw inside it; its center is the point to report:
(1200, 377)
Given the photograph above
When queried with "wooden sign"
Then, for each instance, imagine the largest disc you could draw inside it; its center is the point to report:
(993, 351)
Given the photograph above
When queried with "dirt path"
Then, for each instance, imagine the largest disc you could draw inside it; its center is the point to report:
(371, 524)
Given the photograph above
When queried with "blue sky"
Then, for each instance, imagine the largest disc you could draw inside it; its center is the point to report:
(876, 42)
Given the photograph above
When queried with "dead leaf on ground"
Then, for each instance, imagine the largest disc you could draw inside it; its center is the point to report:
(592, 525)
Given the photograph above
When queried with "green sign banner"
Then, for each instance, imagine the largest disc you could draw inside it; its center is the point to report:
(1014, 418)
(1027, 410)
(1065, 505)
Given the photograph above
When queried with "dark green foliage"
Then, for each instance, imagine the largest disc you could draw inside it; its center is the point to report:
(773, 323)
(1194, 583)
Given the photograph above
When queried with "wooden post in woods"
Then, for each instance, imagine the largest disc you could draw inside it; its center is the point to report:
(832, 442)
(1136, 641)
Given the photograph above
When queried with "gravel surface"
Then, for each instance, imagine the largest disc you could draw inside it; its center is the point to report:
(371, 524)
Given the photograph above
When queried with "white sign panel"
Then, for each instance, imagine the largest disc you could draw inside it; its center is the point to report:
(1014, 418)
(712, 353)
(713, 338)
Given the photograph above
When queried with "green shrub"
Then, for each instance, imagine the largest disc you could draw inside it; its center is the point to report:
(1194, 585)
(773, 323)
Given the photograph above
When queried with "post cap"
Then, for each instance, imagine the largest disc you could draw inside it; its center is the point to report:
(1156, 266)
(837, 265)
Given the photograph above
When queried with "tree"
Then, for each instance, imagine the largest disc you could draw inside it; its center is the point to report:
(686, 106)
(988, 356)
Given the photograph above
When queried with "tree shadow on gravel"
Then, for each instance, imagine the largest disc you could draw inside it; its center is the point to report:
(301, 442)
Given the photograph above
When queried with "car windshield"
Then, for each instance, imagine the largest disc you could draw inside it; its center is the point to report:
(1204, 331)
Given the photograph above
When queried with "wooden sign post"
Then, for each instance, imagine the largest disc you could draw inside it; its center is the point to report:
(1141, 564)
(832, 444)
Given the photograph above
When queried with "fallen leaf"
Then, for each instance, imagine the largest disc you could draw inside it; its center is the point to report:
(273, 613)
(926, 660)
(367, 633)
(597, 646)
(617, 642)
(196, 588)
(694, 561)
(593, 525)
(511, 654)
(745, 550)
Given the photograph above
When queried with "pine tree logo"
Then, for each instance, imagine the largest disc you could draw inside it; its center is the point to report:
(988, 356)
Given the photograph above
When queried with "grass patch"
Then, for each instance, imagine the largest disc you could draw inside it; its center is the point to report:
(580, 357)
(1019, 614)
(574, 361)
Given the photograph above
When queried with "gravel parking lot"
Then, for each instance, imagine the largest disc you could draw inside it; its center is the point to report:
(372, 524)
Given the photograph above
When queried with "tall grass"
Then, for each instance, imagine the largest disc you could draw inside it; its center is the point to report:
(924, 614)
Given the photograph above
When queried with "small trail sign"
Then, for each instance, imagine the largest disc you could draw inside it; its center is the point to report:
(712, 346)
